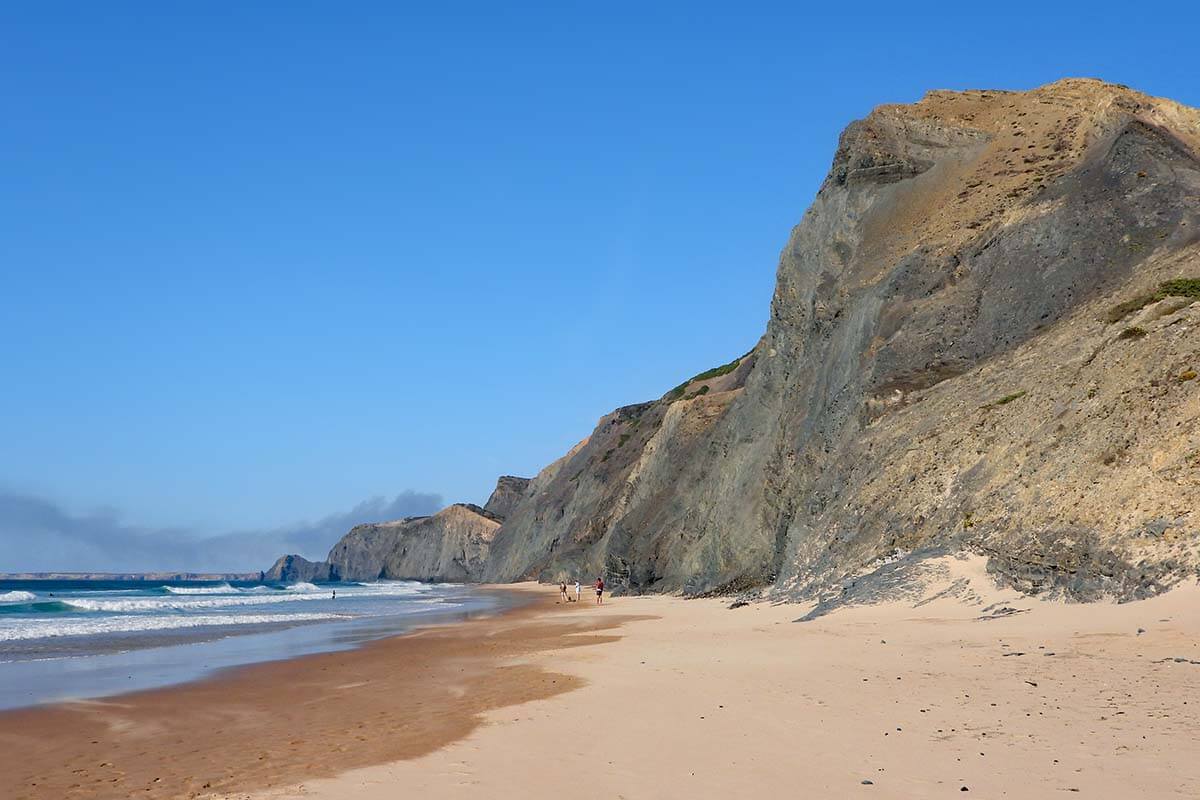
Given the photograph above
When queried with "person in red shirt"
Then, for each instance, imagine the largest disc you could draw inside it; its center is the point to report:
(599, 591)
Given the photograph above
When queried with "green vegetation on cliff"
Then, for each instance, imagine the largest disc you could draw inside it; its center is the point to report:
(1180, 287)
(715, 372)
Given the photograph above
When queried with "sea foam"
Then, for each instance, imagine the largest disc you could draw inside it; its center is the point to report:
(17, 597)
(224, 588)
(46, 628)
(184, 603)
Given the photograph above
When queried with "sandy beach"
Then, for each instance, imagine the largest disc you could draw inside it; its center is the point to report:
(958, 688)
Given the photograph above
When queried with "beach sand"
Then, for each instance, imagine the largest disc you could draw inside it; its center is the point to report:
(660, 697)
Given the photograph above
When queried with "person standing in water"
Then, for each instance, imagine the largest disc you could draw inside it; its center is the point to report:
(334, 595)
(599, 591)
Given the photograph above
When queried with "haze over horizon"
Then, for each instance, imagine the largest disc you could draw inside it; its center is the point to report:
(271, 272)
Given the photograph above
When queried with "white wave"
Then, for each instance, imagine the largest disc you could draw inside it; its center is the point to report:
(170, 603)
(17, 597)
(52, 628)
(396, 588)
(304, 586)
(224, 588)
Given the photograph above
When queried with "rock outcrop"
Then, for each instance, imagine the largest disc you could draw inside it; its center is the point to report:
(451, 545)
(508, 492)
(940, 368)
(292, 568)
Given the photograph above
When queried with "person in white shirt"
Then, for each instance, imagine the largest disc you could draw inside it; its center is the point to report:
(578, 589)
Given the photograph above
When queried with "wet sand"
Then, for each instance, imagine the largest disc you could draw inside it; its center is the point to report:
(270, 724)
(660, 697)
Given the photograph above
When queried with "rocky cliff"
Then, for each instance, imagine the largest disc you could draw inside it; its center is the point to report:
(292, 568)
(451, 545)
(948, 363)
(984, 337)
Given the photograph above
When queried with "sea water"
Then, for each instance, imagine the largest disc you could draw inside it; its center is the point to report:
(62, 640)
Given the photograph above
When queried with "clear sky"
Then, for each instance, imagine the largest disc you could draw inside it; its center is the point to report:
(263, 262)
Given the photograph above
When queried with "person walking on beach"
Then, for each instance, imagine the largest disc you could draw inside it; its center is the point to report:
(599, 591)
(578, 588)
(562, 591)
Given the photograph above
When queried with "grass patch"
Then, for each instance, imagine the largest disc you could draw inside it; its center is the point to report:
(708, 374)
(622, 439)
(608, 453)
(678, 391)
(1003, 401)
(1180, 287)
(1008, 398)
(717, 372)
(1187, 375)
(1132, 333)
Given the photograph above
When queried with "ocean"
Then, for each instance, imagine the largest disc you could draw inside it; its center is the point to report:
(66, 640)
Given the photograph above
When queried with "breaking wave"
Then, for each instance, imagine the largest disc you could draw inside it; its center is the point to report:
(171, 603)
(76, 626)
(224, 588)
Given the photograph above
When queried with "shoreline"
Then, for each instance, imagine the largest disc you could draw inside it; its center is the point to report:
(261, 725)
(192, 634)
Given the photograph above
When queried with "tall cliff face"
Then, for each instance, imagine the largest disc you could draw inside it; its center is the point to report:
(984, 336)
(609, 506)
(962, 251)
(938, 370)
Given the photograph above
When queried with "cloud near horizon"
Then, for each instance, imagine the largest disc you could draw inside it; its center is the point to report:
(39, 535)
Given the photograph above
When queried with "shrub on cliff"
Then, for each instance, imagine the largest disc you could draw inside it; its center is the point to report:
(1180, 287)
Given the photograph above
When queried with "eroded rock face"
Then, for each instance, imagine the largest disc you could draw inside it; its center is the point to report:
(508, 492)
(608, 507)
(945, 368)
(963, 249)
(451, 545)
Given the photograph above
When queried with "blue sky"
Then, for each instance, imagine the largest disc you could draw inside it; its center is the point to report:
(263, 264)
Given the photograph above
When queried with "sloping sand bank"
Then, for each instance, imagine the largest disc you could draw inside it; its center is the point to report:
(978, 688)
